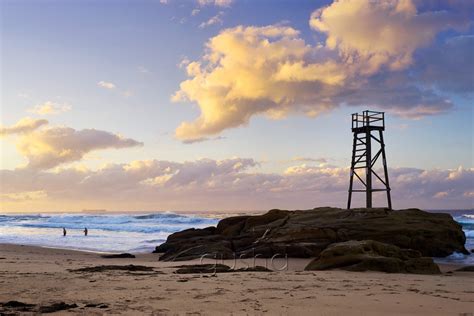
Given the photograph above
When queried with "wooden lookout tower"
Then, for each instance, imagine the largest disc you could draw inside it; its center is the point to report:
(366, 127)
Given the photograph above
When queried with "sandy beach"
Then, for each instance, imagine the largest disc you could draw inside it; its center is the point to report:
(44, 277)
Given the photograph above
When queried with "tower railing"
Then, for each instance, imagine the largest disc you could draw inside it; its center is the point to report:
(368, 118)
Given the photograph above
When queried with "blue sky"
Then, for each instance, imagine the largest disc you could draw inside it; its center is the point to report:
(59, 52)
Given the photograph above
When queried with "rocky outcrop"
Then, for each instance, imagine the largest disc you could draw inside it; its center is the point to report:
(305, 234)
(369, 255)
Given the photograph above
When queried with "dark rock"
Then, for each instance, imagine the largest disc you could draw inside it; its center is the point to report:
(231, 226)
(97, 305)
(369, 255)
(119, 255)
(212, 247)
(305, 234)
(130, 268)
(56, 307)
(216, 268)
(466, 269)
(253, 269)
(16, 304)
(187, 234)
(202, 268)
(472, 250)
(92, 305)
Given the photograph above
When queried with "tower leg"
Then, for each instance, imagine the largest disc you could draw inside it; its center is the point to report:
(385, 170)
(368, 169)
(351, 177)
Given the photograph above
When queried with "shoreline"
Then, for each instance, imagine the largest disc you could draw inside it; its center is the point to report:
(444, 267)
(45, 276)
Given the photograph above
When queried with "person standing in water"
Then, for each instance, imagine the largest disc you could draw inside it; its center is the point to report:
(64, 232)
(85, 231)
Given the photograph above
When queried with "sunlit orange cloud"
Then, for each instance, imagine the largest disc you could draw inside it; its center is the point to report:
(51, 146)
(273, 71)
(24, 125)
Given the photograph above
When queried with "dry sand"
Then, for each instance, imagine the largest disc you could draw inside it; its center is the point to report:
(40, 276)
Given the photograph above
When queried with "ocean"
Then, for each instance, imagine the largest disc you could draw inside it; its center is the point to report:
(106, 232)
(139, 233)
(466, 219)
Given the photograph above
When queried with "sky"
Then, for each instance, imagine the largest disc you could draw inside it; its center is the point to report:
(231, 105)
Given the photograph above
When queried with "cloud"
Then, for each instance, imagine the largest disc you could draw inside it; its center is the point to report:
(448, 66)
(215, 20)
(366, 59)
(106, 85)
(380, 33)
(202, 139)
(50, 107)
(202, 3)
(50, 147)
(309, 159)
(23, 196)
(229, 184)
(217, 3)
(143, 70)
(112, 86)
(24, 125)
(251, 70)
(127, 93)
(397, 93)
(441, 195)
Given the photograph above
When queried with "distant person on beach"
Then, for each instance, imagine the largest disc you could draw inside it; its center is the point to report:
(85, 231)
(64, 231)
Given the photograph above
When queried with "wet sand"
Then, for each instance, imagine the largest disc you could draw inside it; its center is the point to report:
(44, 277)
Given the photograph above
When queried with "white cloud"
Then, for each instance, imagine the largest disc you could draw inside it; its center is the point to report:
(217, 3)
(106, 85)
(215, 20)
(24, 125)
(50, 107)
